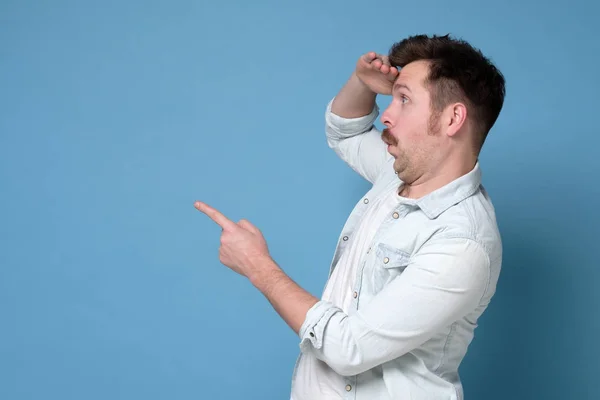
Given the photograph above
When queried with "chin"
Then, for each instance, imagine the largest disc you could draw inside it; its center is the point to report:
(399, 167)
(390, 150)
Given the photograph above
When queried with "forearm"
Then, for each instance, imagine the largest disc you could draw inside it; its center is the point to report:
(444, 282)
(287, 298)
(354, 100)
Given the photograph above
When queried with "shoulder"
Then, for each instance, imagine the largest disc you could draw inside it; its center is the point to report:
(474, 219)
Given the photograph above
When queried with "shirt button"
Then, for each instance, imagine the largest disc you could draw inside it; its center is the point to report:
(386, 260)
(395, 215)
(366, 201)
(345, 238)
(348, 388)
(355, 294)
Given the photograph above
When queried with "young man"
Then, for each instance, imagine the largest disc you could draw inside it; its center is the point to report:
(419, 257)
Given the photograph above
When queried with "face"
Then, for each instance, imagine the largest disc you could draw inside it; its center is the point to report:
(412, 131)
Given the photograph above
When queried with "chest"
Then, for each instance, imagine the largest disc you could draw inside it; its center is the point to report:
(400, 230)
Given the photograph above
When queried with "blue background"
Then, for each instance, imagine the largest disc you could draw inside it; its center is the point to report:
(116, 116)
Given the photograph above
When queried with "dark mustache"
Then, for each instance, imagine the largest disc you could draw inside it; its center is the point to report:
(387, 137)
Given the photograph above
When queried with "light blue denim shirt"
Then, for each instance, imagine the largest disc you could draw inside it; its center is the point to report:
(428, 276)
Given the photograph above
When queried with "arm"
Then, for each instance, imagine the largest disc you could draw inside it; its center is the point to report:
(351, 115)
(287, 298)
(244, 250)
(357, 142)
(446, 281)
(443, 283)
(354, 100)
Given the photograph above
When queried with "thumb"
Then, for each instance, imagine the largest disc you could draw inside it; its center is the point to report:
(244, 223)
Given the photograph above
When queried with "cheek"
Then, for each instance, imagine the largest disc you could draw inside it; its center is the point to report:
(410, 136)
(411, 122)
(413, 127)
(413, 142)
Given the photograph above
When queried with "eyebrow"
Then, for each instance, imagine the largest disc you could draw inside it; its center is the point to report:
(401, 86)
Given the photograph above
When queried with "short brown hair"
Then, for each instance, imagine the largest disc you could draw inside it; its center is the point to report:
(457, 72)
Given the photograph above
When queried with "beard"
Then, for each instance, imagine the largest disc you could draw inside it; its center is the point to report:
(433, 125)
(408, 163)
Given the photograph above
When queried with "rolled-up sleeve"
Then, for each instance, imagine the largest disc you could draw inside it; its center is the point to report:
(357, 142)
(444, 282)
(313, 327)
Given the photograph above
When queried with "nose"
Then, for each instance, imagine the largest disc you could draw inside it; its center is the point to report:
(386, 117)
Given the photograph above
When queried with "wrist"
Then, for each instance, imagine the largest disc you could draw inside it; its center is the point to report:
(265, 273)
(360, 85)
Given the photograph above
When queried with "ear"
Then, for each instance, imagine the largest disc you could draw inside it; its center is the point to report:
(456, 118)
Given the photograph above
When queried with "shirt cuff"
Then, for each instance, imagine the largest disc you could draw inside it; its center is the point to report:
(317, 317)
(348, 127)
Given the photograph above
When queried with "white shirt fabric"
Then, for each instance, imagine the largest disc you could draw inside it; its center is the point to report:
(315, 380)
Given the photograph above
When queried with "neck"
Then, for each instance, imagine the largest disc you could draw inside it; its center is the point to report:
(437, 177)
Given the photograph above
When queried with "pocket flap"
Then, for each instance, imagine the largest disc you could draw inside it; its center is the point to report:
(391, 257)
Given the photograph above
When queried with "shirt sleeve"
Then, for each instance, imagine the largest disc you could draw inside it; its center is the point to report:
(443, 282)
(357, 142)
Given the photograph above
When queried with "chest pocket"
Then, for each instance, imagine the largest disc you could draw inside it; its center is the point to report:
(389, 263)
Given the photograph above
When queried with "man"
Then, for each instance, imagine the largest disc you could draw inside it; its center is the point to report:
(419, 257)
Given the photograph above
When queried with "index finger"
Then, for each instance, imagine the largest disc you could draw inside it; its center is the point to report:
(215, 215)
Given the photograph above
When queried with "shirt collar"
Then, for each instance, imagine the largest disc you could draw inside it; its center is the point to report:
(438, 201)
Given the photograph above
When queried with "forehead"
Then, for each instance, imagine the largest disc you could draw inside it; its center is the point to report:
(413, 75)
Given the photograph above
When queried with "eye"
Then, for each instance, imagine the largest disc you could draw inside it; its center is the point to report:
(403, 99)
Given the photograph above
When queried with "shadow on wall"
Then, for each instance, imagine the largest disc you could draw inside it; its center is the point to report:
(521, 350)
